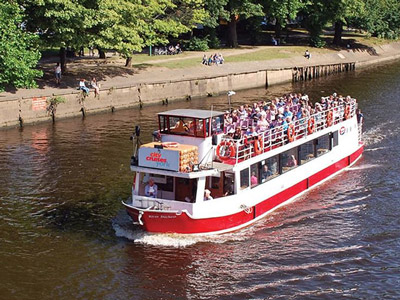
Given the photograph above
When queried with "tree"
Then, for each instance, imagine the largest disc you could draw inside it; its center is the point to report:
(282, 11)
(18, 51)
(130, 26)
(381, 18)
(316, 16)
(60, 23)
(343, 12)
(236, 9)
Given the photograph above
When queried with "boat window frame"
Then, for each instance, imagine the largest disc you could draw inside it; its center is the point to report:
(164, 124)
(328, 136)
(281, 165)
(248, 179)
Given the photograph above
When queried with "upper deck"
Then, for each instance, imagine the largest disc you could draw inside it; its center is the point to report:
(230, 143)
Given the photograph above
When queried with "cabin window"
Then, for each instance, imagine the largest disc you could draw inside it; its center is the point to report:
(306, 152)
(244, 179)
(165, 183)
(323, 144)
(269, 168)
(182, 125)
(335, 138)
(229, 180)
(186, 189)
(254, 175)
(217, 125)
(214, 182)
(200, 130)
(289, 159)
(163, 124)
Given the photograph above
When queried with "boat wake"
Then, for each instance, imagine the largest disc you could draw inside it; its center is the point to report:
(363, 167)
(378, 133)
(124, 228)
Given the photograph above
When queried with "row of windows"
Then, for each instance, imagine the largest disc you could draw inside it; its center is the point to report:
(272, 167)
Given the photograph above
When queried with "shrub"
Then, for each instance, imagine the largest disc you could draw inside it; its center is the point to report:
(196, 44)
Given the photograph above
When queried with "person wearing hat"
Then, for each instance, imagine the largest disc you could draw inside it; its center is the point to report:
(207, 195)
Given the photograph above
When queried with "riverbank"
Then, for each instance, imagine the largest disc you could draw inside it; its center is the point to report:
(122, 88)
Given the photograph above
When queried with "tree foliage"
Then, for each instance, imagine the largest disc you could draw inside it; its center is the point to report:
(18, 52)
(381, 18)
(282, 11)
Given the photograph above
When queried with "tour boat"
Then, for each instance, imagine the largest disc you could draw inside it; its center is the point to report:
(248, 177)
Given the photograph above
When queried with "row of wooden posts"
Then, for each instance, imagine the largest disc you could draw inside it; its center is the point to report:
(310, 72)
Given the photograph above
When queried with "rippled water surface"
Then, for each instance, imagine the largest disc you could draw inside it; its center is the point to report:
(64, 234)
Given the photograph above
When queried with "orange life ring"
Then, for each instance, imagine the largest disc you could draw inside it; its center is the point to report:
(311, 126)
(290, 133)
(170, 144)
(258, 145)
(347, 112)
(227, 154)
(329, 117)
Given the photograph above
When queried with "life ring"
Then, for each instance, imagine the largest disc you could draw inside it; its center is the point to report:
(311, 126)
(258, 145)
(290, 133)
(229, 150)
(170, 144)
(347, 112)
(329, 117)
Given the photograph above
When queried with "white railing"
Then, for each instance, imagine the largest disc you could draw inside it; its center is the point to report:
(279, 136)
(148, 203)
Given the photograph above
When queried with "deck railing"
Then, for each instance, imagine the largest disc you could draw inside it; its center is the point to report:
(252, 145)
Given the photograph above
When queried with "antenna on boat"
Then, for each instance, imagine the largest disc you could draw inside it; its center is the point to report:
(135, 143)
(230, 94)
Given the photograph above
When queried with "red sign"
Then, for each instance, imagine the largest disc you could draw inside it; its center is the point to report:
(39, 104)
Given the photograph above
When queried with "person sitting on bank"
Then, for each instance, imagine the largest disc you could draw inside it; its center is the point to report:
(82, 86)
(207, 195)
(307, 54)
(151, 189)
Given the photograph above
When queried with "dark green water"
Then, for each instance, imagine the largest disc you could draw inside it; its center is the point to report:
(64, 234)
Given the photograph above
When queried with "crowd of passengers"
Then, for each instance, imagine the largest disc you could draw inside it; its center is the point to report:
(250, 120)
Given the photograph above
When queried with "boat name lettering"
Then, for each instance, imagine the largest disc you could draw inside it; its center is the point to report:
(154, 156)
(342, 130)
(162, 216)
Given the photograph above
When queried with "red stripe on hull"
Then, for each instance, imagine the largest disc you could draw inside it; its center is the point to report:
(181, 223)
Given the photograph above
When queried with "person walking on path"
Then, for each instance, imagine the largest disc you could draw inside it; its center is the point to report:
(57, 74)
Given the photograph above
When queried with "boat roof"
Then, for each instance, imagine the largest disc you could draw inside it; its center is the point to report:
(192, 113)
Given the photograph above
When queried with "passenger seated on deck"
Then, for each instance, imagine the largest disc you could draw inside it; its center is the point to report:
(292, 162)
(151, 189)
(265, 173)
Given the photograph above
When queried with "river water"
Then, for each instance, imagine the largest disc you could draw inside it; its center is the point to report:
(65, 235)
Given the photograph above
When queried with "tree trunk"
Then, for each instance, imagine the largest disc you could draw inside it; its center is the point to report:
(63, 60)
(232, 34)
(102, 54)
(128, 62)
(278, 29)
(337, 40)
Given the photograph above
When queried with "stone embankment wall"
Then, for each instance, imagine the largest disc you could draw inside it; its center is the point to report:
(18, 111)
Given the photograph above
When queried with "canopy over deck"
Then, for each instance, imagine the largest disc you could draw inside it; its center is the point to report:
(191, 113)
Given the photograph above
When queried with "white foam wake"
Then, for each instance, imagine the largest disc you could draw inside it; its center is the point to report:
(125, 229)
(363, 167)
(378, 133)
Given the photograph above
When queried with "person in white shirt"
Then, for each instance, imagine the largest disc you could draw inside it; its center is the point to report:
(151, 189)
(207, 195)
